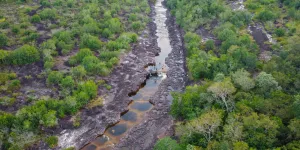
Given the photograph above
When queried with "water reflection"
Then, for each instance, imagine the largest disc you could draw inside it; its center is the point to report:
(141, 106)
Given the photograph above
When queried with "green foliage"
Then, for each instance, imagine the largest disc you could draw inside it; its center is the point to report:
(192, 103)
(242, 79)
(7, 101)
(114, 25)
(78, 72)
(45, 3)
(93, 65)
(206, 125)
(64, 41)
(260, 131)
(166, 144)
(260, 114)
(192, 42)
(192, 14)
(137, 25)
(78, 58)
(90, 88)
(265, 82)
(68, 83)
(91, 28)
(222, 91)
(280, 32)
(4, 55)
(35, 19)
(106, 33)
(3, 40)
(6, 120)
(296, 106)
(21, 56)
(48, 13)
(15, 29)
(240, 18)
(54, 77)
(266, 15)
(107, 55)
(52, 141)
(67, 25)
(210, 45)
(91, 42)
(4, 25)
(240, 146)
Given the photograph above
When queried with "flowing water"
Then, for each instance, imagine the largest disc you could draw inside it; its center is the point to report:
(140, 100)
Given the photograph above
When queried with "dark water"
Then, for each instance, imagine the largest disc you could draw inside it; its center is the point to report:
(117, 129)
(140, 104)
(129, 116)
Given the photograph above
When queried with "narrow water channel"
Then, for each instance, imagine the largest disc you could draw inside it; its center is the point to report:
(140, 100)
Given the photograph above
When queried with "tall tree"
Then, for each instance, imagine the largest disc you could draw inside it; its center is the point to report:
(222, 91)
(242, 79)
(207, 124)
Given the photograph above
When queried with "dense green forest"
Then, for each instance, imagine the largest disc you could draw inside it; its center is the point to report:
(90, 35)
(238, 100)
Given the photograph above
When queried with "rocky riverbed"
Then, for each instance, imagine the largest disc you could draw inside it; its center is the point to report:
(127, 78)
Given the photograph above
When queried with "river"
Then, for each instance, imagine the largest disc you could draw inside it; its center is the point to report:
(141, 99)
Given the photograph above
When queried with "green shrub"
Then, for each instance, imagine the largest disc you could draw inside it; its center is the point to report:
(210, 45)
(68, 83)
(3, 40)
(266, 15)
(78, 58)
(78, 72)
(90, 88)
(280, 32)
(107, 55)
(4, 57)
(82, 98)
(92, 64)
(137, 25)
(113, 45)
(35, 18)
(48, 13)
(70, 148)
(106, 33)
(45, 3)
(7, 101)
(91, 42)
(52, 141)
(15, 29)
(91, 28)
(23, 55)
(114, 25)
(54, 77)
(48, 65)
(14, 84)
(166, 144)
(4, 25)
(70, 3)
(32, 36)
(132, 17)
(6, 120)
